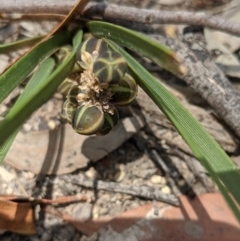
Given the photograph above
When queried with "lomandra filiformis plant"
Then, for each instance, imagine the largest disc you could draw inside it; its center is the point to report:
(96, 74)
(93, 92)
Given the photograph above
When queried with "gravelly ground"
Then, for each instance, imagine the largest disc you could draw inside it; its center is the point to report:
(136, 163)
(131, 164)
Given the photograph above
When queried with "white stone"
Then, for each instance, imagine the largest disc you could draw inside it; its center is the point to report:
(27, 127)
(166, 190)
(91, 173)
(7, 176)
(95, 212)
(121, 167)
(118, 177)
(157, 179)
(51, 125)
(181, 182)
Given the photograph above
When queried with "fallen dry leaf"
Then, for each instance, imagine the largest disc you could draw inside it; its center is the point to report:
(207, 218)
(56, 201)
(17, 217)
(16, 212)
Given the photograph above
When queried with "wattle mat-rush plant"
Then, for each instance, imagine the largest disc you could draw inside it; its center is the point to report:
(96, 74)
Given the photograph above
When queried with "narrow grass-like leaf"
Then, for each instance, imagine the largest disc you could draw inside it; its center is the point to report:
(40, 95)
(10, 47)
(14, 75)
(139, 43)
(221, 168)
(41, 74)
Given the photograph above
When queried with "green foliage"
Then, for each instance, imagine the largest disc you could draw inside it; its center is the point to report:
(221, 168)
(11, 47)
(13, 76)
(38, 94)
(89, 118)
(43, 72)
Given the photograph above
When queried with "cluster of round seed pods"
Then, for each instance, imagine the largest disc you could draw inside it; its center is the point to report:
(103, 84)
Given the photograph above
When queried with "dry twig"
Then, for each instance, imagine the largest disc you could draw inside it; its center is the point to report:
(207, 79)
(109, 11)
(146, 16)
(144, 191)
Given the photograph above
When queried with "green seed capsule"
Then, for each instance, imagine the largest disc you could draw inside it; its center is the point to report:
(88, 120)
(66, 85)
(109, 121)
(126, 92)
(68, 111)
(90, 45)
(110, 67)
(73, 94)
(63, 53)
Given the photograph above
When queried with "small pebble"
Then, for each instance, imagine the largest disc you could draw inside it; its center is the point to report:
(35, 126)
(127, 197)
(136, 181)
(181, 183)
(121, 167)
(50, 107)
(3, 62)
(82, 211)
(95, 216)
(95, 212)
(156, 179)
(166, 190)
(6, 175)
(118, 177)
(105, 196)
(166, 147)
(51, 124)
(119, 196)
(9, 190)
(91, 173)
(163, 181)
(103, 211)
(28, 175)
(163, 142)
(27, 127)
(145, 173)
(3, 108)
(113, 199)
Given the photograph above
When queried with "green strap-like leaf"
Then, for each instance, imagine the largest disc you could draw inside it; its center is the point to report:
(13, 76)
(139, 43)
(42, 73)
(10, 47)
(39, 95)
(209, 153)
